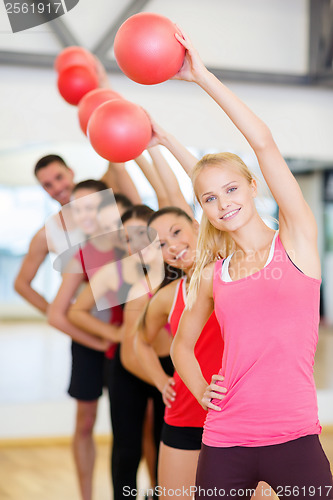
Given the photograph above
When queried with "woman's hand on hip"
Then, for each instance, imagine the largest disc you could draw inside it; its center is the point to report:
(213, 391)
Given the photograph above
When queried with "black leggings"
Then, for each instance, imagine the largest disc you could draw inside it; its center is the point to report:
(128, 402)
(295, 469)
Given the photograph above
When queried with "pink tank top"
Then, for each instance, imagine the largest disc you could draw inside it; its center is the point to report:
(269, 322)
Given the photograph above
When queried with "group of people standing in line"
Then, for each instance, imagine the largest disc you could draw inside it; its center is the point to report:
(235, 302)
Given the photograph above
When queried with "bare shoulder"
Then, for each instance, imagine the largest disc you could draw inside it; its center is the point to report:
(163, 298)
(73, 267)
(38, 243)
(109, 274)
(302, 249)
(40, 236)
(138, 292)
(208, 272)
(201, 285)
(207, 278)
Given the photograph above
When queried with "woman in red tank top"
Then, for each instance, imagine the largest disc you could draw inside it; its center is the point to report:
(97, 217)
(184, 417)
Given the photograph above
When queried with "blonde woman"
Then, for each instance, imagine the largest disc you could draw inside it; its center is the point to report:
(262, 422)
(184, 417)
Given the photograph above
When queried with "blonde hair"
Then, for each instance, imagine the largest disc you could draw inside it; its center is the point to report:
(213, 244)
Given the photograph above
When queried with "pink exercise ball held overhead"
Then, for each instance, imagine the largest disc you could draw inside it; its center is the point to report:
(147, 50)
(91, 101)
(119, 130)
(76, 81)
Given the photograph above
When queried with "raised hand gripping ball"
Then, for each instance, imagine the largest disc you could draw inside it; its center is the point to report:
(74, 56)
(76, 81)
(119, 130)
(91, 101)
(146, 49)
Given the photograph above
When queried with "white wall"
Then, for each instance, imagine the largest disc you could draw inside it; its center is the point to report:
(255, 35)
(34, 116)
(261, 35)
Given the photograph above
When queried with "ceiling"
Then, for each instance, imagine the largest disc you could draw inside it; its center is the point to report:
(266, 41)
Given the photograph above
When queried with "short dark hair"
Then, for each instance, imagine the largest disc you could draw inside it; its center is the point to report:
(92, 184)
(46, 160)
(123, 200)
(169, 210)
(142, 212)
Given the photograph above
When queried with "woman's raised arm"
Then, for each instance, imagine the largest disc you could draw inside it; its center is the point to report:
(154, 180)
(298, 229)
(169, 179)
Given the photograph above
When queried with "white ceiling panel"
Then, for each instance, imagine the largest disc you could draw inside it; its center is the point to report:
(281, 41)
(90, 19)
(258, 35)
(251, 35)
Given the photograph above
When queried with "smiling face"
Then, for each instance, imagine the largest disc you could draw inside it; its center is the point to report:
(57, 180)
(84, 208)
(178, 239)
(226, 196)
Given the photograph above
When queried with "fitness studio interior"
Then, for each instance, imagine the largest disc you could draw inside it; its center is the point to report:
(276, 55)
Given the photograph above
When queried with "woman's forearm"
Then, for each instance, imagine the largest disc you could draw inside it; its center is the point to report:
(169, 180)
(188, 368)
(131, 362)
(155, 181)
(78, 335)
(87, 322)
(151, 363)
(180, 152)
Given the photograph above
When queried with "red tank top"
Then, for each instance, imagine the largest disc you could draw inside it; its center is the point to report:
(185, 410)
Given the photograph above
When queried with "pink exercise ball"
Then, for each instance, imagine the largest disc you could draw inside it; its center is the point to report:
(119, 130)
(146, 49)
(74, 56)
(76, 81)
(91, 101)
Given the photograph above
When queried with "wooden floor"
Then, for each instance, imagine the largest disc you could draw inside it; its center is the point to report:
(42, 472)
(47, 472)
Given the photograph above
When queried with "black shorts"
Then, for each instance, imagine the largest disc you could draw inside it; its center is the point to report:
(182, 438)
(167, 365)
(88, 373)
